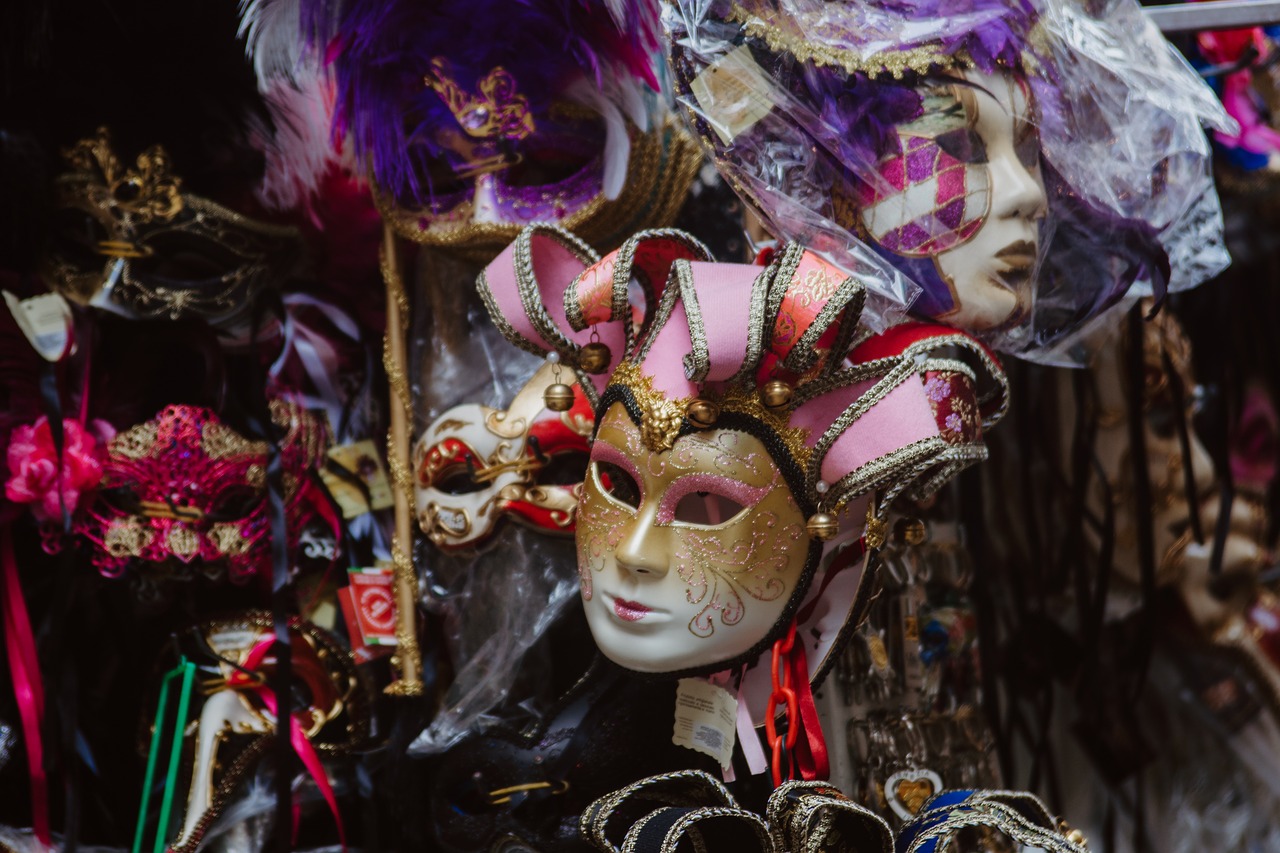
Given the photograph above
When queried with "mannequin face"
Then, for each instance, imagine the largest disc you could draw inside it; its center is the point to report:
(964, 189)
(686, 557)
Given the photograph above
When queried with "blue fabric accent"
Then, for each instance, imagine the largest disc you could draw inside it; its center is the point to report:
(937, 809)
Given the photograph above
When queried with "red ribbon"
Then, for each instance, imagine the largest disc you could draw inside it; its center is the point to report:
(27, 686)
(301, 744)
(811, 752)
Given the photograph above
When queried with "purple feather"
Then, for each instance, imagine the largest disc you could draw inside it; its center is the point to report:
(380, 51)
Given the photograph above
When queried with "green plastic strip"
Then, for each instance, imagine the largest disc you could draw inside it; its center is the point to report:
(175, 755)
(186, 669)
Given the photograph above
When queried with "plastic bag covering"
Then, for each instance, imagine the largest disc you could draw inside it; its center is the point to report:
(493, 604)
(803, 104)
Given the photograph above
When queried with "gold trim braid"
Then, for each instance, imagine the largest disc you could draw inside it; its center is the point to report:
(921, 60)
(408, 658)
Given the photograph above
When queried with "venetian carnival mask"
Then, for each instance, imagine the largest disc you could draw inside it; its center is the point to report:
(185, 489)
(476, 465)
(730, 439)
(686, 556)
(961, 189)
(936, 152)
(467, 141)
(1182, 532)
(130, 240)
(225, 672)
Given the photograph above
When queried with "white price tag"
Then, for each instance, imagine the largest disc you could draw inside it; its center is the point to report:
(706, 719)
(45, 320)
(733, 94)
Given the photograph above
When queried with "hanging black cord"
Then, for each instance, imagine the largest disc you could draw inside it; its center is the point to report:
(1142, 506)
(971, 515)
(258, 411)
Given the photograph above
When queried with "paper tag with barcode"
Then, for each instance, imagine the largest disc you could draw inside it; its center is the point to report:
(45, 320)
(706, 719)
(733, 94)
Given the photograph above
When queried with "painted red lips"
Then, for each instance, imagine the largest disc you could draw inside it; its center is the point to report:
(630, 611)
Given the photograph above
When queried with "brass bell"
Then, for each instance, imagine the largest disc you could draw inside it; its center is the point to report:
(910, 531)
(702, 413)
(594, 357)
(558, 397)
(822, 526)
(775, 394)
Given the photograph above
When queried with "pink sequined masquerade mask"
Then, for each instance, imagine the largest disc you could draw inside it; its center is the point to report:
(185, 487)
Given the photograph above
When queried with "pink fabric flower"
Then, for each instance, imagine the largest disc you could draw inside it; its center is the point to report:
(33, 468)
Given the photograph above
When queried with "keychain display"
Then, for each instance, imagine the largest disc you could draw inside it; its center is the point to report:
(909, 679)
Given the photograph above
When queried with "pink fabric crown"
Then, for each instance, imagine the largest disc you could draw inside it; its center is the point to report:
(894, 412)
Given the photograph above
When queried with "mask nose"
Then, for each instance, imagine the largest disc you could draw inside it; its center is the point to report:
(643, 550)
(1019, 191)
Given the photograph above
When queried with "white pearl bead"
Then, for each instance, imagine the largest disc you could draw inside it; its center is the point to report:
(553, 357)
(821, 487)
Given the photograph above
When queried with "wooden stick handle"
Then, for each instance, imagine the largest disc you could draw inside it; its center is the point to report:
(408, 658)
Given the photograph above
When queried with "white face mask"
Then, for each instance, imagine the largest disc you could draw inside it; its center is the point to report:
(476, 465)
(687, 557)
(965, 190)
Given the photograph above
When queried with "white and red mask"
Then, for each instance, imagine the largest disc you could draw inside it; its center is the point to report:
(476, 465)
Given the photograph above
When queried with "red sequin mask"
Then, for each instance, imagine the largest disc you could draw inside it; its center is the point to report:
(186, 487)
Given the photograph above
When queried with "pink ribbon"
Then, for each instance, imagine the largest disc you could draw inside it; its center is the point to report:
(301, 743)
(27, 686)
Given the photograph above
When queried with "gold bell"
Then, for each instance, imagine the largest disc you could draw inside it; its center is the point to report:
(702, 413)
(558, 397)
(910, 531)
(594, 357)
(775, 394)
(822, 526)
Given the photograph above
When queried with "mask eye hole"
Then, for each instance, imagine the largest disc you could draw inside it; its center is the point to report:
(458, 480)
(615, 482)
(1027, 147)
(707, 509)
(564, 469)
(964, 144)
(237, 503)
(122, 499)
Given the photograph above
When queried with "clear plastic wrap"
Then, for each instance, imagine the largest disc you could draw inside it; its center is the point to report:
(803, 105)
(496, 601)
